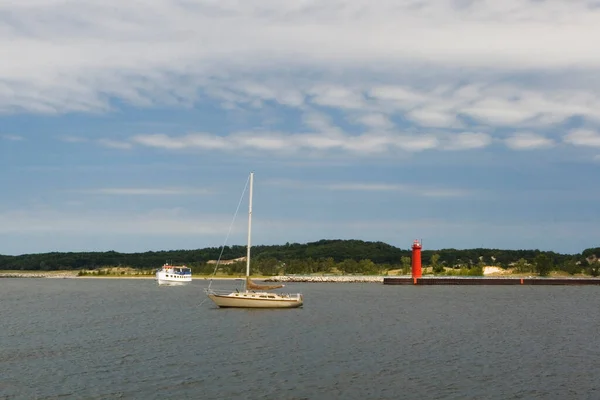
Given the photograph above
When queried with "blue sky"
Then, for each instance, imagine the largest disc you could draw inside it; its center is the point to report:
(133, 127)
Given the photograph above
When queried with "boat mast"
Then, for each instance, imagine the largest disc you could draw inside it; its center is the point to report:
(249, 225)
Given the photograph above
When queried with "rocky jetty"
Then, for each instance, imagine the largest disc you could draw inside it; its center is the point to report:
(327, 278)
(12, 274)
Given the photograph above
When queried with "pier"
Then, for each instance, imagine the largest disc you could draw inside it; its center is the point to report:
(417, 277)
(489, 281)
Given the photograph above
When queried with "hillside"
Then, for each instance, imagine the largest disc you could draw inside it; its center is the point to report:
(323, 255)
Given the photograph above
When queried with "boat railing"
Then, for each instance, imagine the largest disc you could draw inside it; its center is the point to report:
(228, 292)
(218, 291)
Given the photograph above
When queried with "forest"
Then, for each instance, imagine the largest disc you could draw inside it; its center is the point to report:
(323, 256)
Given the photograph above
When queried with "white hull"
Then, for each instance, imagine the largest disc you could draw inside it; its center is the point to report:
(256, 300)
(166, 282)
(165, 278)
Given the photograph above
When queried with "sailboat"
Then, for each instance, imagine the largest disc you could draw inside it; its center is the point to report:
(254, 295)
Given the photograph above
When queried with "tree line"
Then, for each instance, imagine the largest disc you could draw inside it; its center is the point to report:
(324, 256)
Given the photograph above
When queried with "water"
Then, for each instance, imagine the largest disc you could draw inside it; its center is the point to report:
(130, 339)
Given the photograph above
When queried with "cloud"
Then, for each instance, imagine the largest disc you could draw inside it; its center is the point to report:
(581, 137)
(148, 54)
(332, 61)
(104, 142)
(147, 191)
(13, 138)
(375, 121)
(337, 97)
(114, 144)
(156, 222)
(468, 141)
(196, 140)
(432, 118)
(528, 141)
(73, 139)
(288, 143)
(372, 187)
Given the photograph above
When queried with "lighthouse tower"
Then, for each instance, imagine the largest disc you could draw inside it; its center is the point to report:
(416, 259)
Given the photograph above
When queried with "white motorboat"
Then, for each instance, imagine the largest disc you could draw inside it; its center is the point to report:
(174, 275)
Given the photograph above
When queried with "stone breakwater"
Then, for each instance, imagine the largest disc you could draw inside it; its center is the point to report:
(38, 275)
(327, 278)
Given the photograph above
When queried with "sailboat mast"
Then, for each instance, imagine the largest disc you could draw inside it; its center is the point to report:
(249, 225)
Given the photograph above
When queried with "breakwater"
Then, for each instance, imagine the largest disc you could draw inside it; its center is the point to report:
(327, 278)
(38, 275)
(489, 281)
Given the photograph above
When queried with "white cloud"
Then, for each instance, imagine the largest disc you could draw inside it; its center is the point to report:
(157, 222)
(253, 93)
(416, 143)
(375, 121)
(115, 144)
(148, 52)
(581, 137)
(197, 140)
(468, 141)
(13, 138)
(372, 187)
(367, 143)
(495, 111)
(147, 191)
(400, 96)
(337, 97)
(528, 141)
(368, 187)
(470, 69)
(432, 117)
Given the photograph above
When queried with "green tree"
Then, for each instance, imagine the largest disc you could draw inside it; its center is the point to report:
(594, 268)
(406, 264)
(327, 265)
(477, 269)
(436, 267)
(572, 267)
(543, 264)
(367, 267)
(348, 266)
(268, 266)
(522, 266)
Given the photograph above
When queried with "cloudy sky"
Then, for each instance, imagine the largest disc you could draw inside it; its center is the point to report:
(133, 126)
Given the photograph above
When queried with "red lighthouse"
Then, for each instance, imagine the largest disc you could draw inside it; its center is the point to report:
(416, 259)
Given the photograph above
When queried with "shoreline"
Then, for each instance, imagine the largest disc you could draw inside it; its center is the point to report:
(278, 279)
(74, 275)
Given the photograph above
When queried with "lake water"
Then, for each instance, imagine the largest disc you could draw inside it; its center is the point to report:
(130, 339)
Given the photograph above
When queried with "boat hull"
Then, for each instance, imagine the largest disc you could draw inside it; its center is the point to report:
(168, 279)
(234, 300)
(163, 282)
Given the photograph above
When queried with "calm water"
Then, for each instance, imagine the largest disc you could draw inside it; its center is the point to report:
(130, 339)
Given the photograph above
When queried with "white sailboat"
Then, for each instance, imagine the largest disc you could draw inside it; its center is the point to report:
(254, 295)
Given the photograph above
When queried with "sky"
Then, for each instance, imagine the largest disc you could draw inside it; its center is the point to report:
(133, 126)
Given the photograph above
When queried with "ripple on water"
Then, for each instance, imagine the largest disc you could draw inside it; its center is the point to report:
(132, 339)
